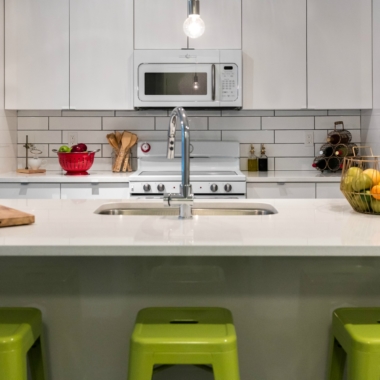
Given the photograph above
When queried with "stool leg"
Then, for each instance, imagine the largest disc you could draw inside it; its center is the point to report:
(13, 366)
(36, 360)
(363, 365)
(140, 365)
(226, 366)
(337, 359)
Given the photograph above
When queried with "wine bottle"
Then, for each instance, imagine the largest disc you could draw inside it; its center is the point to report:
(345, 150)
(327, 150)
(320, 163)
(339, 137)
(334, 164)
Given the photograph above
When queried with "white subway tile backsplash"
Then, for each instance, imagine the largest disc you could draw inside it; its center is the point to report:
(327, 122)
(143, 113)
(128, 123)
(234, 123)
(88, 113)
(298, 122)
(237, 113)
(195, 123)
(33, 123)
(22, 113)
(300, 113)
(39, 137)
(343, 112)
(249, 137)
(282, 132)
(296, 136)
(299, 163)
(75, 123)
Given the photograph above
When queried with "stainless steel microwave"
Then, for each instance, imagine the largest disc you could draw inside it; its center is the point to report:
(187, 78)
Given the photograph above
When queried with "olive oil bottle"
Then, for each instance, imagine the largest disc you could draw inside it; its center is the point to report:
(252, 161)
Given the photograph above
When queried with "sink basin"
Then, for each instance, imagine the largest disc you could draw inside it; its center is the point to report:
(202, 209)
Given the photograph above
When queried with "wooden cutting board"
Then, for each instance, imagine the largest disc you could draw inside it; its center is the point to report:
(11, 217)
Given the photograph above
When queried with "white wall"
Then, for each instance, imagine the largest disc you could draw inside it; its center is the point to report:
(370, 128)
(8, 119)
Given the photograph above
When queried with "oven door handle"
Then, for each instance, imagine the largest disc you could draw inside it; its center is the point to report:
(213, 82)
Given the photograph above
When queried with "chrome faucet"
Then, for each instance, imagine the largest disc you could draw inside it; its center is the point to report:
(185, 197)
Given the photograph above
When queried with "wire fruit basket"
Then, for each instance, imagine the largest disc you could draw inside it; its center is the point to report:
(76, 163)
(360, 183)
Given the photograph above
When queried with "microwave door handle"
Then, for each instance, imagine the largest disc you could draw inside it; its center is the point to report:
(213, 82)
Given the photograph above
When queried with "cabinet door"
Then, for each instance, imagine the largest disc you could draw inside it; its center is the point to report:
(281, 190)
(158, 24)
(101, 54)
(329, 191)
(36, 54)
(94, 190)
(339, 54)
(223, 25)
(274, 54)
(30, 190)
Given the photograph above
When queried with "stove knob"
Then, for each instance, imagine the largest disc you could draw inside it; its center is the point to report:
(146, 187)
(214, 187)
(160, 187)
(145, 147)
(227, 187)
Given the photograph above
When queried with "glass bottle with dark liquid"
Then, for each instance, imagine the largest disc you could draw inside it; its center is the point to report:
(327, 150)
(263, 160)
(320, 163)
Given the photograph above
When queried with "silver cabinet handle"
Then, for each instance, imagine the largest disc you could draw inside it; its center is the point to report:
(213, 82)
(281, 183)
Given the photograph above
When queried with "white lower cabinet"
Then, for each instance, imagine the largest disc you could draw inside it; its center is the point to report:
(281, 190)
(94, 190)
(329, 190)
(30, 190)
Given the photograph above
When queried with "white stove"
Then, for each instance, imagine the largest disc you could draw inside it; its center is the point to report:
(214, 170)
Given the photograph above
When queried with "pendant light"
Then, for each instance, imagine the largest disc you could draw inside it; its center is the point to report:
(194, 26)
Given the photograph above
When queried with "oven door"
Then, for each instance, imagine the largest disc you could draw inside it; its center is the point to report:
(162, 83)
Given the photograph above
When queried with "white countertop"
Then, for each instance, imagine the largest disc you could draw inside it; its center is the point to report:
(108, 176)
(60, 177)
(293, 176)
(301, 228)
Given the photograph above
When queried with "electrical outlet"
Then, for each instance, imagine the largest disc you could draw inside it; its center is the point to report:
(73, 138)
(309, 138)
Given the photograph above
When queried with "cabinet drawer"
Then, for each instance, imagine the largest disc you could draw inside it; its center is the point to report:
(94, 191)
(329, 190)
(30, 191)
(281, 190)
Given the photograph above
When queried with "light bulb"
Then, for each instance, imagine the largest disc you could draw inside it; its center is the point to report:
(194, 26)
(195, 82)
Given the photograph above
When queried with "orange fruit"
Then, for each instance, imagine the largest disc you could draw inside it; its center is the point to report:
(374, 175)
(375, 192)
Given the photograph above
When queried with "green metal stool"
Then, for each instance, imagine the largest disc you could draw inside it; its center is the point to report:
(355, 336)
(171, 336)
(20, 336)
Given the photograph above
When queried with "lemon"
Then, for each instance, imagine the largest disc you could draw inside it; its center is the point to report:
(353, 171)
(374, 175)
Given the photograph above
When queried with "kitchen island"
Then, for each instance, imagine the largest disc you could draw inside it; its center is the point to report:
(281, 275)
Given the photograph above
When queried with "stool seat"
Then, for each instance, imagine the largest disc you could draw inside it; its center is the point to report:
(184, 336)
(355, 338)
(20, 335)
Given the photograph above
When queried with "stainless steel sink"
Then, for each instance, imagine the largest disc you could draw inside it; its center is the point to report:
(159, 209)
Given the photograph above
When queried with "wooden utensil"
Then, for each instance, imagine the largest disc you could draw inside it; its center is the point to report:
(131, 144)
(11, 217)
(125, 141)
(118, 136)
(113, 142)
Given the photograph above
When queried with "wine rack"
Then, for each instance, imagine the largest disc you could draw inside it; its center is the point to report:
(332, 153)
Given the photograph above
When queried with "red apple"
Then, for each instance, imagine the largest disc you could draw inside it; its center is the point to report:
(76, 149)
(83, 147)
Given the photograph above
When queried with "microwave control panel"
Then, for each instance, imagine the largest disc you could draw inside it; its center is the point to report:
(229, 81)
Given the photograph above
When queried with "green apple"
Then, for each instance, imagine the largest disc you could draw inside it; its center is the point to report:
(375, 204)
(347, 184)
(362, 202)
(354, 171)
(64, 149)
(361, 182)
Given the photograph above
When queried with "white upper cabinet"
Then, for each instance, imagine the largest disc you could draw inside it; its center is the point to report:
(274, 54)
(101, 54)
(36, 54)
(222, 19)
(158, 24)
(339, 54)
